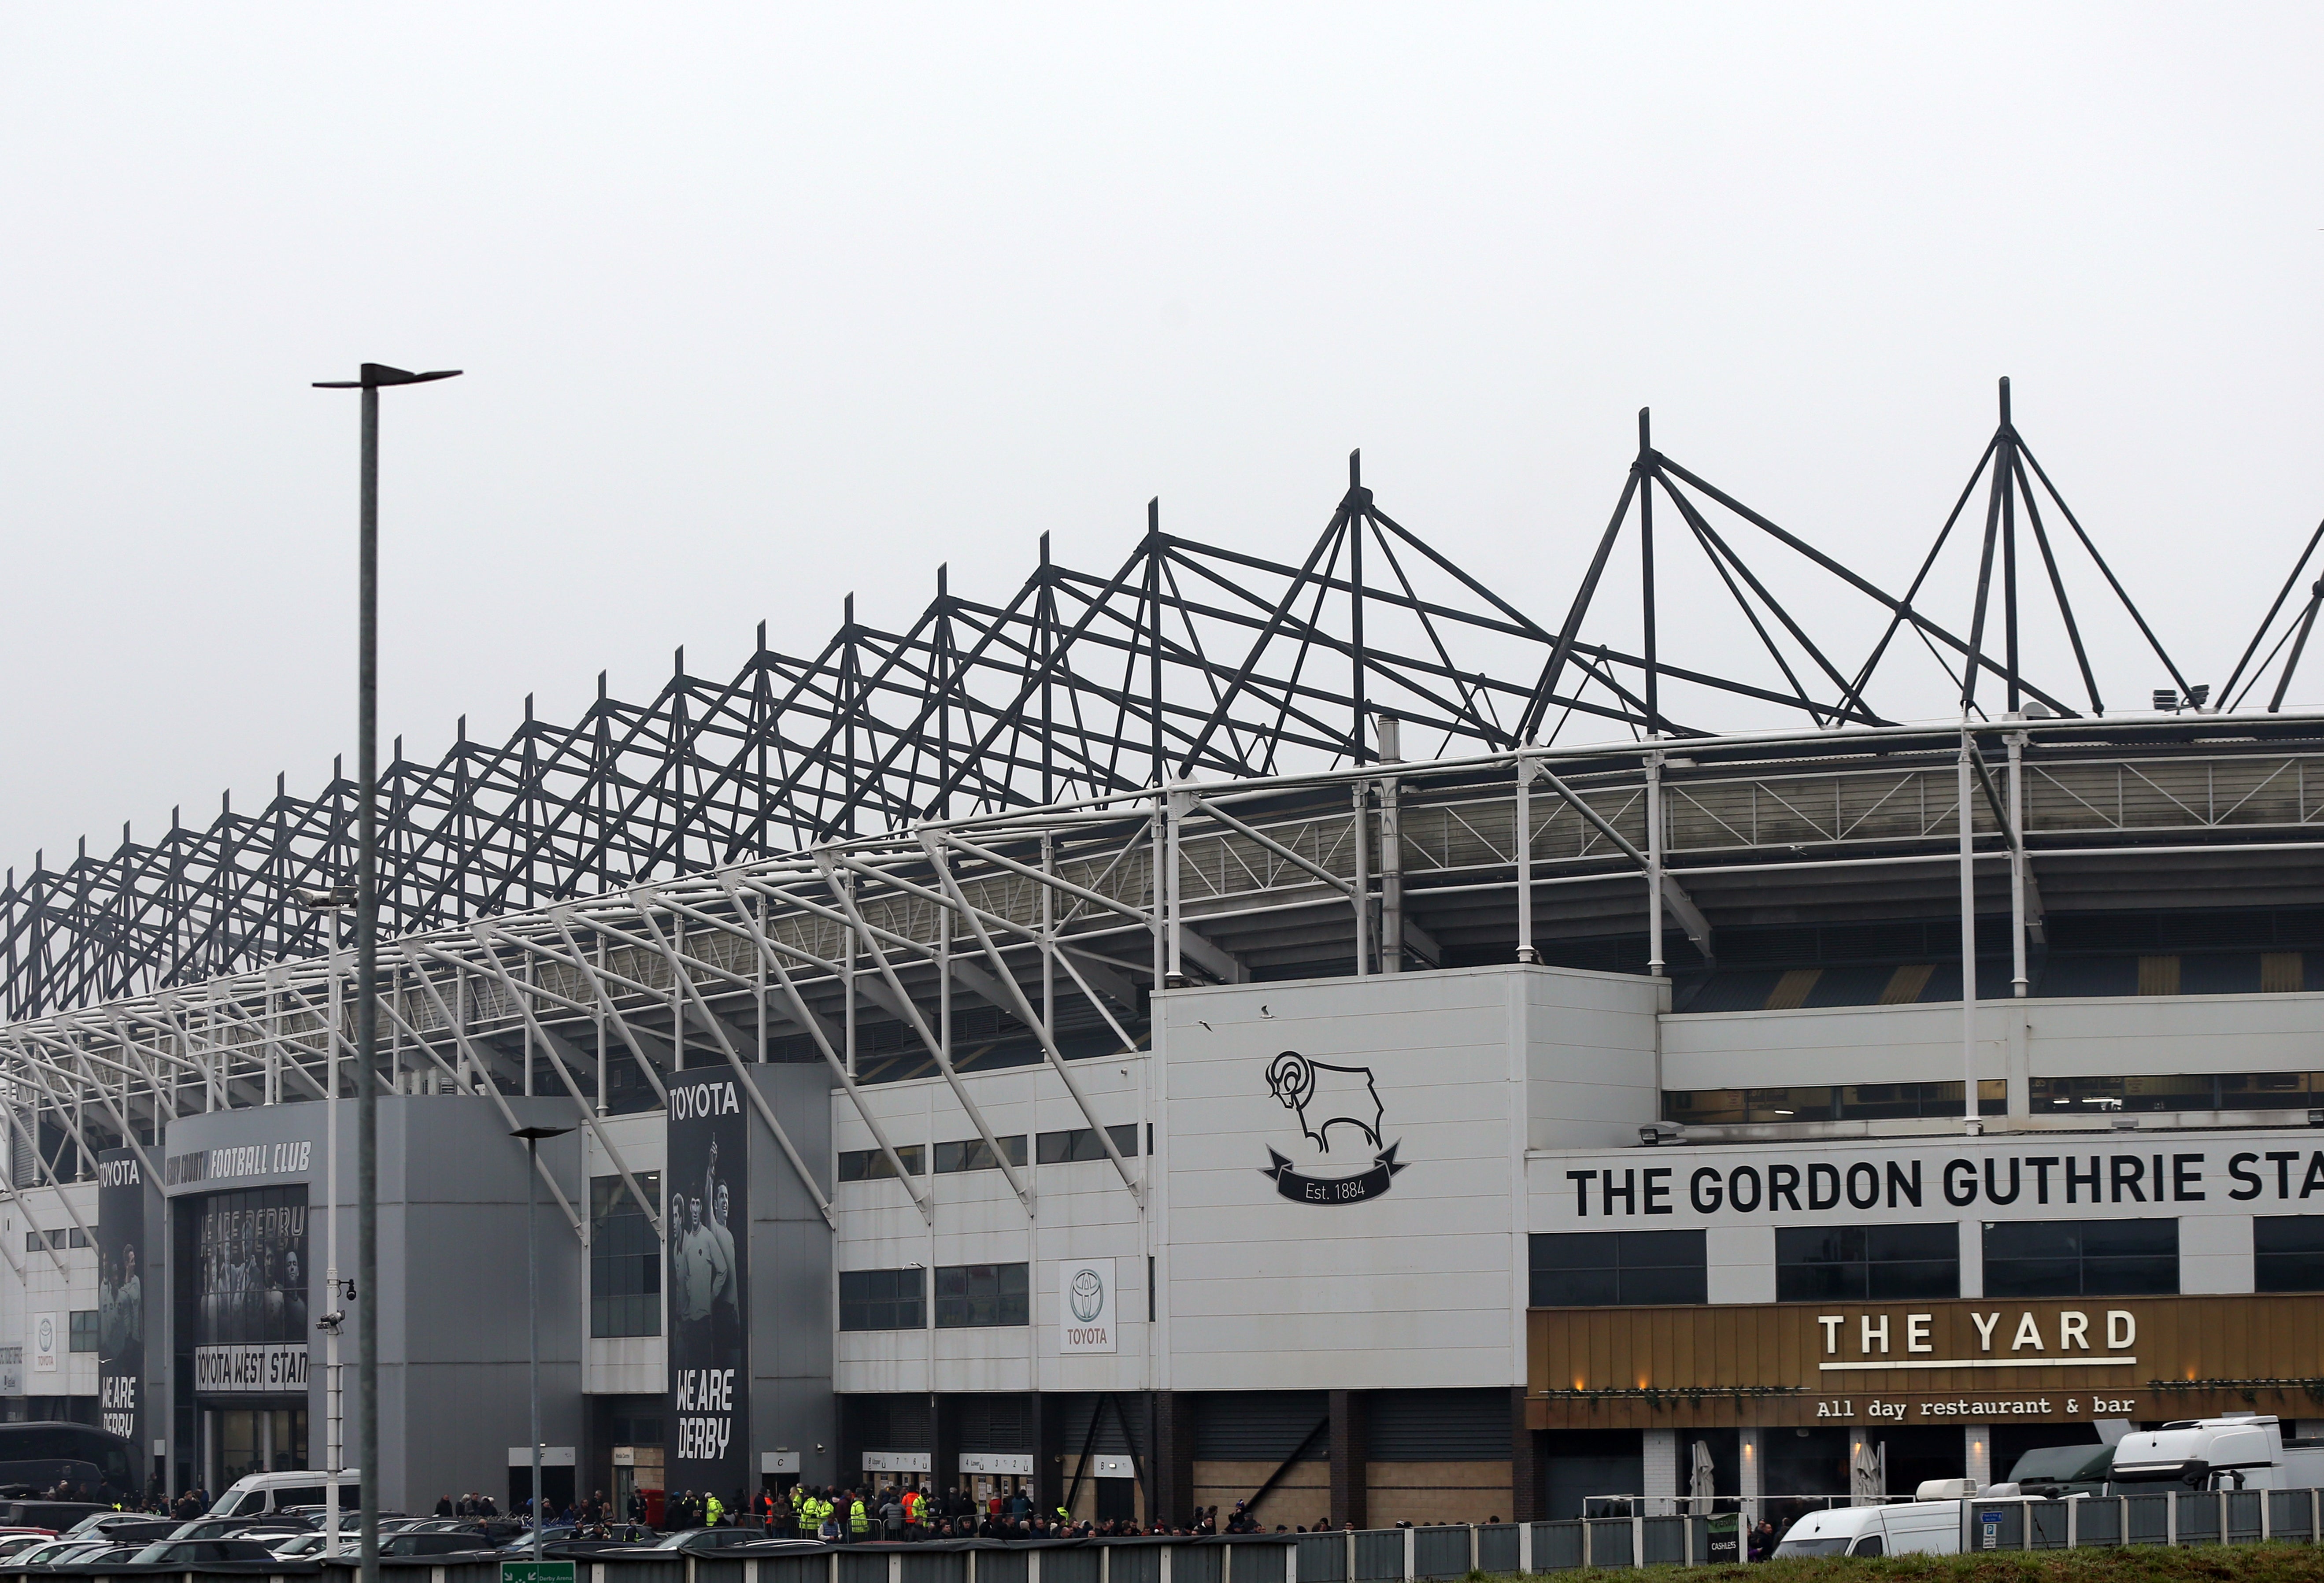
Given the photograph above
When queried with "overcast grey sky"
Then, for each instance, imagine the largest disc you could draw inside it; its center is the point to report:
(762, 304)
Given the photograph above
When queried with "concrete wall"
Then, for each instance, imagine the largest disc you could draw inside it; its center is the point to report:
(791, 1317)
(1422, 1285)
(453, 1304)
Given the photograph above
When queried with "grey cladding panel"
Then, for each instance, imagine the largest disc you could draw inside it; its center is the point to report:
(1259, 1426)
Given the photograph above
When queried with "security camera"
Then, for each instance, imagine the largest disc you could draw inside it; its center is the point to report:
(1661, 1132)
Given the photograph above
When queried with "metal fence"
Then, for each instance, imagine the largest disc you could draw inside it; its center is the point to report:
(1384, 1555)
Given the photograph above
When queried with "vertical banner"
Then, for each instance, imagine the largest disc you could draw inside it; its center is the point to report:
(708, 1224)
(121, 1267)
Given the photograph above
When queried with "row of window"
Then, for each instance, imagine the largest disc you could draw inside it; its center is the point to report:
(2224, 1090)
(2050, 1096)
(1824, 1263)
(1863, 1101)
(973, 1153)
(968, 1297)
(67, 1237)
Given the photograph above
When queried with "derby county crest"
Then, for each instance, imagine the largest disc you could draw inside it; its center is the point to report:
(1330, 1103)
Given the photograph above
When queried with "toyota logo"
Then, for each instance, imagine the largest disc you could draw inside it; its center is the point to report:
(1087, 1295)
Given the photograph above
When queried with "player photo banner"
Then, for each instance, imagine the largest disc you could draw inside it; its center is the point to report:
(121, 1267)
(707, 1224)
(251, 1284)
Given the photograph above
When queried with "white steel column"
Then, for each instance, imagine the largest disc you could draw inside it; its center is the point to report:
(2017, 978)
(1966, 813)
(1749, 1485)
(1524, 833)
(1655, 864)
(1173, 968)
(1391, 845)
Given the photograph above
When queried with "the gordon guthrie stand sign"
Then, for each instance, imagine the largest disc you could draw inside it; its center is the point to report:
(1323, 1097)
(708, 1223)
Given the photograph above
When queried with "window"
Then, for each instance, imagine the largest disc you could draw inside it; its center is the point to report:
(1601, 1269)
(871, 1165)
(624, 1258)
(2288, 1253)
(1869, 1101)
(2081, 1258)
(1843, 1264)
(970, 1295)
(882, 1299)
(84, 1329)
(1057, 1148)
(2225, 1090)
(973, 1153)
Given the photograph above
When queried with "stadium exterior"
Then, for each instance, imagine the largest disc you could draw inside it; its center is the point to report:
(1194, 1090)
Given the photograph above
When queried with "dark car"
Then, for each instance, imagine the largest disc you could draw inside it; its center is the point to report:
(56, 1516)
(96, 1559)
(201, 1552)
(415, 1543)
(123, 1526)
(695, 1541)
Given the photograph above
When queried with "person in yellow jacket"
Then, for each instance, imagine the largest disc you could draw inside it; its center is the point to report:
(714, 1511)
(859, 1522)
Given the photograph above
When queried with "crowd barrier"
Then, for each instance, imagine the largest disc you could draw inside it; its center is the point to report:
(1383, 1555)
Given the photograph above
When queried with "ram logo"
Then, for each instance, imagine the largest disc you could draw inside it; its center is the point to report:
(1324, 1097)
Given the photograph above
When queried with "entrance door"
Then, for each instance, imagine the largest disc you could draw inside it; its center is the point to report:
(556, 1486)
(1117, 1499)
(256, 1439)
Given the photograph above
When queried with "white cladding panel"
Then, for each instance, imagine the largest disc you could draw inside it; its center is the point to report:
(1080, 1210)
(1416, 1281)
(1922, 1043)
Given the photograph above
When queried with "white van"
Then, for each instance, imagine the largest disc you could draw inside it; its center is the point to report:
(1926, 1528)
(259, 1493)
(2246, 1451)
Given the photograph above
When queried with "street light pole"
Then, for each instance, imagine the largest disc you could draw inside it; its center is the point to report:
(373, 376)
(533, 1137)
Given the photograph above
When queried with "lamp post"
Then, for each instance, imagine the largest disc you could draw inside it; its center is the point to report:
(373, 377)
(533, 1137)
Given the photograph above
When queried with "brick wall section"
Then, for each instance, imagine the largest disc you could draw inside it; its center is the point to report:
(1302, 1498)
(1524, 1474)
(1437, 1492)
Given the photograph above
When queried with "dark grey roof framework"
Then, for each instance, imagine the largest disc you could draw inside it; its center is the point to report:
(1187, 661)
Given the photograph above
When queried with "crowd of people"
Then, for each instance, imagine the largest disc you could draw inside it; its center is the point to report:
(894, 1513)
(912, 1514)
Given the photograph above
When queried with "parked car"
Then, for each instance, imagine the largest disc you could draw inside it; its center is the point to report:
(699, 1541)
(200, 1553)
(95, 1558)
(431, 1544)
(41, 1554)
